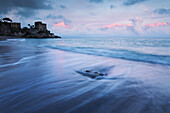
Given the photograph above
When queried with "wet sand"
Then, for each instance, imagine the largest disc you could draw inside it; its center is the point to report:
(39, 80)
(48, 82)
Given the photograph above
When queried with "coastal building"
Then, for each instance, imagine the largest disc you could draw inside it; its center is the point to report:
(15, 25)
(38, 30)
(40, 26)
(0, 27)
(5, 28)
(9, 27)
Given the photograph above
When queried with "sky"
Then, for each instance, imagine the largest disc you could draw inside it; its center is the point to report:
(93, 18)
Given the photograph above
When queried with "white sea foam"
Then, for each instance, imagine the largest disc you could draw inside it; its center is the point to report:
(23, 60)
(16, 39)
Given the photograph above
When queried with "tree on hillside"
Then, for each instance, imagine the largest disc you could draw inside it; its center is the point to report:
(31, 26)
(7, 20)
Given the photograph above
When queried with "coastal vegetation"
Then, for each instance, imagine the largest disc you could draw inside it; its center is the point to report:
(13, 29)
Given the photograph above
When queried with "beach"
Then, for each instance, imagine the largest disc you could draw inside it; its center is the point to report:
(3, 38)
(47, 76)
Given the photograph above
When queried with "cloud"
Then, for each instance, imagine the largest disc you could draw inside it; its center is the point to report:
(96, 1)
(61, 24)
(116, 25)
(146, 9)
(61, 17)
(132, 2)
(24, 6)
(103, 29)
(162, 11)
(26, 12)
(136, 21)
(92, 14)
(112, 6)
(63, 7)
(156, 25)
(136, 26)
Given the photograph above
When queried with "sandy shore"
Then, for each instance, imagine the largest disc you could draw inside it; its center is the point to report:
(38, 79)
(2, 38)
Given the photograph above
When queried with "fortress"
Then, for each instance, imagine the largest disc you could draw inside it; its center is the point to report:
(38, 30)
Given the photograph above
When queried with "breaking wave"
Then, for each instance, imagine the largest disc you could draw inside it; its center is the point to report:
(118, 53)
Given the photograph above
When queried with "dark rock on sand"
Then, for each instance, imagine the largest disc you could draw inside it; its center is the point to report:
(101, 74)
(95, 72)
(91, 74)
(88, 71)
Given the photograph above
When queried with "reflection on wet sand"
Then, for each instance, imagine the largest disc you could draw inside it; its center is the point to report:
(38, 80)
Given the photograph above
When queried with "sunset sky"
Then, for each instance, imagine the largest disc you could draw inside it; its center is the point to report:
(93, 18)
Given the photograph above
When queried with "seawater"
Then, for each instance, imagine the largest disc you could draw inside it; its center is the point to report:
(48, 75)
(137, 49)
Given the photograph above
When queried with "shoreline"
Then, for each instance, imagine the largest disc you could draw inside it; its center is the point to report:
(4, 38)
(52, 79)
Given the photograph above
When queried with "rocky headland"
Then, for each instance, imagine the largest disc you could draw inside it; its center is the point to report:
(10, 30)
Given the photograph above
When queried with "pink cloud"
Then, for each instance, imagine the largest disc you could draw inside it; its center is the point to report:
(152, 15)
(61, 24)
(116, 25)
(135, 26)
(146, 9)
(157, 24)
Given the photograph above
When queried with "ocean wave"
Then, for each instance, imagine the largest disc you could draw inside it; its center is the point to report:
(16, 63)
(12, 40)
(117, 53)
(16, 39)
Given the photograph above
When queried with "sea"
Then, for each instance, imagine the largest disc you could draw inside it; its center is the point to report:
(54, 75)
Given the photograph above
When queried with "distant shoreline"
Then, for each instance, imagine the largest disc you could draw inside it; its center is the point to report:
(3, 38)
